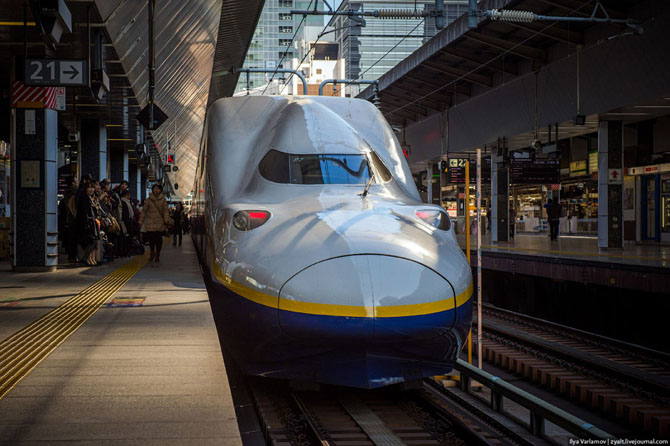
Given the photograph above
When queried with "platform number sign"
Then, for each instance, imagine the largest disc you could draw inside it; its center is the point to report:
(457, 162)
(456, 170)
(56, 72)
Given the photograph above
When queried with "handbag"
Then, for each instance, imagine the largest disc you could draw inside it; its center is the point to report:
(167, 225)
(113, 226)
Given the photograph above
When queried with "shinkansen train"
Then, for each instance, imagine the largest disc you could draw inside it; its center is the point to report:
(321, 262)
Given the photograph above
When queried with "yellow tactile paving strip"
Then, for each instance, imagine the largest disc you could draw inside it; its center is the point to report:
(21, 352)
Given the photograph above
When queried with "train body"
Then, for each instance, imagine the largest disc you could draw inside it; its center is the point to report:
(321, 262)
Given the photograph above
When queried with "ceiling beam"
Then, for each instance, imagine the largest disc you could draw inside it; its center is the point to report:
(439, 94)
(554, 32)
(415, 108)
(433, 104)
(426, 103)
(582, 8)
(522, 50)
(402, 113)
(467, 56)
(479, 79)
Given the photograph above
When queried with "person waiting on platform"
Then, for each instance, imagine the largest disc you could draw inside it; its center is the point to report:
(155, 217)
(128, 225)
(87, 223)
(178, 218)
(554, 217)
(67, 214)
(512, 221)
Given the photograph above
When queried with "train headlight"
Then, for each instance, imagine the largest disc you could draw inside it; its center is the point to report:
(247, 220)
(435, 218)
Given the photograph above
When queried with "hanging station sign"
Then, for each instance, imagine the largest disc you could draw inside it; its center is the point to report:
(538, 171)
(456, 170)
(56, 72)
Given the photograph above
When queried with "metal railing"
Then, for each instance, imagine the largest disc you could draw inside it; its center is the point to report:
(262, 70)
(347, 81)
(540, 410)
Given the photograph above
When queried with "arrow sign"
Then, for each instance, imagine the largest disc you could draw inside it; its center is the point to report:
(56, 72)
(73, 71)
(615, 176)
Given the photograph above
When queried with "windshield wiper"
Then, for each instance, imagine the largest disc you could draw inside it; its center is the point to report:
(367, 186)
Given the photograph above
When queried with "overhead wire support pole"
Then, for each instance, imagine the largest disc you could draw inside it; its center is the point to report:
(467, 240)
(347, 81)
(479, 256)
(517, 16)
(378, 13)
(152, 67)
(400, 13)
(279, 65)
(262, 70)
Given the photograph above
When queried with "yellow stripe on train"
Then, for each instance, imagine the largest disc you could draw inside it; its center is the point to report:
(340, 310)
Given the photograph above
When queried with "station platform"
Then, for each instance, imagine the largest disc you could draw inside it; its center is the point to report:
(577, 258)
(123, 353)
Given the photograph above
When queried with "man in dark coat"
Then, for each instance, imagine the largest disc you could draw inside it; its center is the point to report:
(554, 217)
(67, 212)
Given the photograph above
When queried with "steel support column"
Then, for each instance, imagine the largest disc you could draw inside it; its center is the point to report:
(93, 149)
(499, 200)
(35, 190)
(610, 184)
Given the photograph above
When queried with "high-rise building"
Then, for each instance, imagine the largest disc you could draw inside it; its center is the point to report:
(371, 50)
(323, 63)
(273, 45)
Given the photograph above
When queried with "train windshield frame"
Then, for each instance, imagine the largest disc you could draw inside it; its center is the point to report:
(323, 169)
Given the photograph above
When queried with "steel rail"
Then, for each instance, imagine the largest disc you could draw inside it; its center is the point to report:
(593, 337)
(474, 437)
(313, 425)
(602, 364)
(540, 410)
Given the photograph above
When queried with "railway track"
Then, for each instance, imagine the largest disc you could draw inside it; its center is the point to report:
(628, 383)
(425, 416)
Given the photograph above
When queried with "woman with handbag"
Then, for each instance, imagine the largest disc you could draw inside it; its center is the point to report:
(87, 223)
(156, 216)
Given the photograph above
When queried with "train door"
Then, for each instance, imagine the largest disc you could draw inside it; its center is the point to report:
(651, 208)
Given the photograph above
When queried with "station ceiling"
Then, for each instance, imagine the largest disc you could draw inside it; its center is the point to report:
(460, 63)
(191, 37)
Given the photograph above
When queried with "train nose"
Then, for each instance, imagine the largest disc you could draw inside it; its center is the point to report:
(366, 297)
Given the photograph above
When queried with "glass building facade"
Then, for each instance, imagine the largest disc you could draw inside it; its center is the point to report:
(274, 37)
(370, 51)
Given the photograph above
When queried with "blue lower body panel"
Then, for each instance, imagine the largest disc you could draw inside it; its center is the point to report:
(355, 352)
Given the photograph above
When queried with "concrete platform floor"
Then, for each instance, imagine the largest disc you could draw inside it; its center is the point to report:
(574, 247)
(150, 374)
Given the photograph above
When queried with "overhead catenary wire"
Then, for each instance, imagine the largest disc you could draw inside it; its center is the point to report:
(388, 52)
(290, 45)
(307, 53)
(493, 59)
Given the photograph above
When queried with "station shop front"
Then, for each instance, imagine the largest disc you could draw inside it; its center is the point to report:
(652, 187)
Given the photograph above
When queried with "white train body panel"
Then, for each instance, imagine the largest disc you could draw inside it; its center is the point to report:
(331, 275)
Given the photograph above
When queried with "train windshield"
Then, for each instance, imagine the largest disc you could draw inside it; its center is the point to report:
(281, 167)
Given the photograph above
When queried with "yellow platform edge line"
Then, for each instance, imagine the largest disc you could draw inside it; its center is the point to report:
(22, 366)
